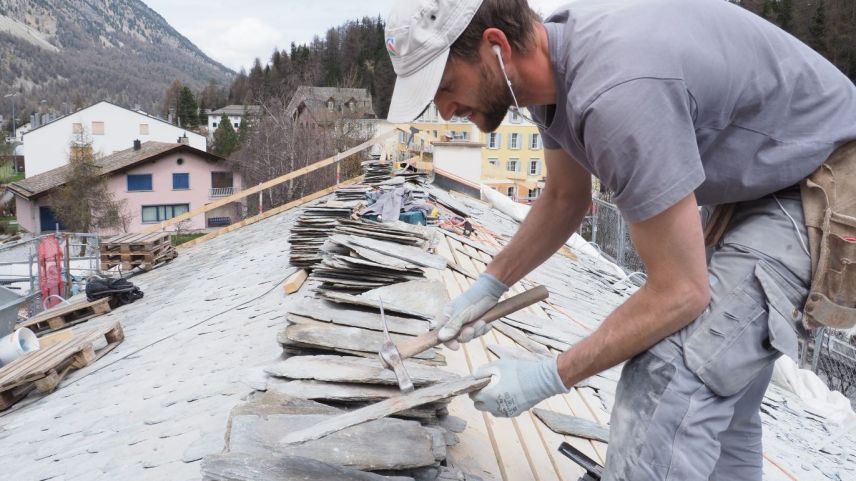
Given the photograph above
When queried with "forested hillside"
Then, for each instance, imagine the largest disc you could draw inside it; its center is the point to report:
(828, 26)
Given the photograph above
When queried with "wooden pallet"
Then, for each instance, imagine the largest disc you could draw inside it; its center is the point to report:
(64, 316)
(127, 243)
(145, 255)
(44, 369)
(145, 262)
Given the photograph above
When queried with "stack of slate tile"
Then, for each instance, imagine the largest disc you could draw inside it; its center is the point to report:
(362, 255)
(331, 367)
(352, 193)
(376, 171)
(310, 231)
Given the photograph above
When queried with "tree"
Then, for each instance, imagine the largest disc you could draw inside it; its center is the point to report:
(225, 138)
(84, 203)
(785, 16)
(170, 98)
(244, 129)
(187, 111)
(817, 29)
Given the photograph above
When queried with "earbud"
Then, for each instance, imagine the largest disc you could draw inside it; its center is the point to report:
(497, 50)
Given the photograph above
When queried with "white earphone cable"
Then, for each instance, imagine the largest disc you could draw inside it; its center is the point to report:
(516, 107)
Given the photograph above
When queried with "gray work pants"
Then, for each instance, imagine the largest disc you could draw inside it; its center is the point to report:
(688, 408)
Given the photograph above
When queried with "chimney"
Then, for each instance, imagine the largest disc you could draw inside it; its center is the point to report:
(137, 145)
(183, 140)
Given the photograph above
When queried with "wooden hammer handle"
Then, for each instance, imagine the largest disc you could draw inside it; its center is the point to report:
(513, 304)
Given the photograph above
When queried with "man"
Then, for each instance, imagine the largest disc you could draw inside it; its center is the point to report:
(672, 104)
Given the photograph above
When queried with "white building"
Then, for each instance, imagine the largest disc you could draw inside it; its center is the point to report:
(234, 112)
(111, 128)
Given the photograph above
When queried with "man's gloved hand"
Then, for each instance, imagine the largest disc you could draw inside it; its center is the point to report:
(517, 386)
(468, 307)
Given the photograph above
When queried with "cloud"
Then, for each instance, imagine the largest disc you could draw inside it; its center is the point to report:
(237, 43)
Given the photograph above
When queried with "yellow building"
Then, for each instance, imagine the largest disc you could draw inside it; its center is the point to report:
(512, 157)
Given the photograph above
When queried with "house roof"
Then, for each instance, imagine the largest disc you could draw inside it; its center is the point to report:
(40, 184)
(236, 110)
(315, 100)
(200, 339)
(143, 114)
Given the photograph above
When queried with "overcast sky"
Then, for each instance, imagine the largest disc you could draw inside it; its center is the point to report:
(235, 32)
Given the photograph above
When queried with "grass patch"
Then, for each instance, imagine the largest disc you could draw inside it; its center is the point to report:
(178, 239)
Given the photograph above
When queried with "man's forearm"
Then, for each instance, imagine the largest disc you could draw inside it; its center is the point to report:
(645, 319)
(550, 223)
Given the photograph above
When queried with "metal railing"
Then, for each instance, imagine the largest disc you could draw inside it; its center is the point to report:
(605, 228)
(19, 265)
(218, 192)
(833, 358)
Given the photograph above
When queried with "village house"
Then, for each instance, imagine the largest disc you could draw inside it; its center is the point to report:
(157, 181)
(235, 113)
(110, 127)
(346, 109)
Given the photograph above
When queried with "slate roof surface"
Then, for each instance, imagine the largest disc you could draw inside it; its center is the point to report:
(41, 183)
(237, 110)
(196, 344)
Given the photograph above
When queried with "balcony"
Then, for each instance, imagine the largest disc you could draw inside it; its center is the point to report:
(220, 192)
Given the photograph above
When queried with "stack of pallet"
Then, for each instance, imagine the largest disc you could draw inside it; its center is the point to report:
(128, 251)
(331, 367)
(44, 369)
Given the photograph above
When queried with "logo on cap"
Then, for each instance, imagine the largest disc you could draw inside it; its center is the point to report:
(390, 46)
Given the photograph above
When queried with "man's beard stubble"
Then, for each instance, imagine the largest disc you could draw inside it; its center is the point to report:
(495, 99)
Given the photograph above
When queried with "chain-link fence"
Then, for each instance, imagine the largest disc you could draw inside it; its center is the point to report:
(833, 358)
(606, 229)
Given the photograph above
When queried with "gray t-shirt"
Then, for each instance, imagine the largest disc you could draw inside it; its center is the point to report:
(660, 98)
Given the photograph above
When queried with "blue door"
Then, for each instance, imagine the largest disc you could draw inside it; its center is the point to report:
(48, 221)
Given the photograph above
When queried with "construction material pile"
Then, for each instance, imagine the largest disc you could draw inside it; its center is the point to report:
(128, 251)
(376, 171)
(331, 368)
(311, 230)
(362, 255)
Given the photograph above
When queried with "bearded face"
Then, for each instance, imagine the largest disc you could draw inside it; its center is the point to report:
(493, 100)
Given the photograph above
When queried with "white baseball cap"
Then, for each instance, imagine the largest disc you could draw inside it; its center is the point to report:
(418, 36)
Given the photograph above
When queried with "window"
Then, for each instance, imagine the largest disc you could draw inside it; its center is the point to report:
(236, 124)
(77, 128)
(534, 193)
(493, 140)
(510, 192)
(144, 129)
(435, 133)
(513, 165)
(534, 167)
(515, 117)
(97, 128)
(180, 181)
(160, 213)
(465, 135)
(221, 180)
(331, 105)
(493, 161)
(214, 124)
(139, 182)
(514, 141)
(534, 141)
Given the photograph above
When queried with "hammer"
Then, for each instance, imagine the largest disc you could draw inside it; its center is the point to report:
(392, 356)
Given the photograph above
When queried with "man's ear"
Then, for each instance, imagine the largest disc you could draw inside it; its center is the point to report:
(494, 37)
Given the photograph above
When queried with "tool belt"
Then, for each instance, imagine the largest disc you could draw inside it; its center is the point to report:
(829, 205)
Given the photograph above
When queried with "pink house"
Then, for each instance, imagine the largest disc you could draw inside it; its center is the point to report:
(157, 181)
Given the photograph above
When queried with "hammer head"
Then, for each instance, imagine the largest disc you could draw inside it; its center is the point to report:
(391, 358)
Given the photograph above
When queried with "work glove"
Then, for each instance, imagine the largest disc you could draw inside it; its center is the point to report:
(466, 308)
(516, 386)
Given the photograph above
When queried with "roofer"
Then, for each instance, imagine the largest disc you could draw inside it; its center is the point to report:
(672, 104)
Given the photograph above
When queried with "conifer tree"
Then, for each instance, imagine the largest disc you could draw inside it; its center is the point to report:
(225, 138)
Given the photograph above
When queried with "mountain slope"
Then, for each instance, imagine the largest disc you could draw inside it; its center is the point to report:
(75, 52)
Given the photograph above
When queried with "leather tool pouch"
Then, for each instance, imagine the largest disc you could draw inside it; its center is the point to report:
(829, 205)
(716, 226)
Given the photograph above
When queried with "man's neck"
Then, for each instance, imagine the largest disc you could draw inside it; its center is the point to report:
(535, 83)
